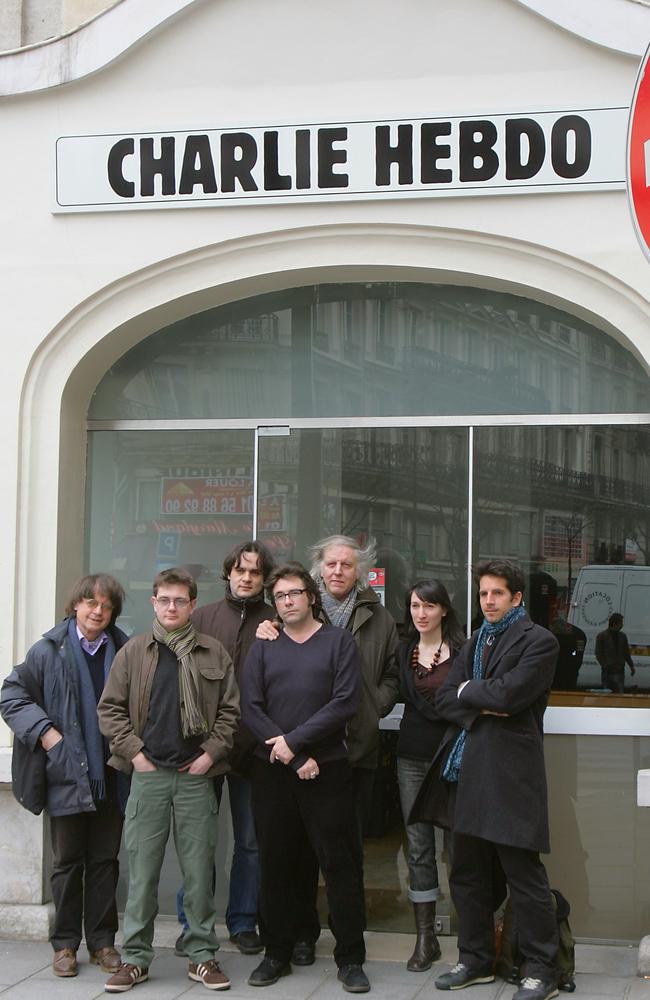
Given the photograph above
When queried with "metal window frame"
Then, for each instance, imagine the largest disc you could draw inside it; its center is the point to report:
(558, 720)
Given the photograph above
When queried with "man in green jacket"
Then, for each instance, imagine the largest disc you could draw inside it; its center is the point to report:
(170, 709)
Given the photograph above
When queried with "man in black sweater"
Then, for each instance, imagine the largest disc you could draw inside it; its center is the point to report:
(298, 696)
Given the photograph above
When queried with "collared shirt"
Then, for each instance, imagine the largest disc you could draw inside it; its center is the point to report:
(91, 647)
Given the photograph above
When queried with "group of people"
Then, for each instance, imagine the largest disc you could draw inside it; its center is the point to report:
(281, 698)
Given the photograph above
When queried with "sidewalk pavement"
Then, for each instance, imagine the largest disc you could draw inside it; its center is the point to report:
(603, 972)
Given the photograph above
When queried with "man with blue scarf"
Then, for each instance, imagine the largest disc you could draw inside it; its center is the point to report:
(496, 692)
(51, 700)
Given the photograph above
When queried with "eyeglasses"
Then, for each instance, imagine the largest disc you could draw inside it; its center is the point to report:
(178, 602)
(292, 594)
(94, 605)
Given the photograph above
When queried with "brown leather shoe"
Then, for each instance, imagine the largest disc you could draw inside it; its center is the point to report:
(108, 959)
(64, 962)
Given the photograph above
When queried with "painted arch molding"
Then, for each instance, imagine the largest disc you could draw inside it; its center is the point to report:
(620, 25)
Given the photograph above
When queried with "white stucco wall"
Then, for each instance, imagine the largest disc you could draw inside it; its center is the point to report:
(69, 280)
(79, 289)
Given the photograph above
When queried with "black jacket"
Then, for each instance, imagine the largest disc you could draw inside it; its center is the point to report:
(501, 791)
(50, 662)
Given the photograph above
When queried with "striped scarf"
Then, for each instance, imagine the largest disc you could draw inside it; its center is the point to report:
(182, 642)
(487, 631)
(338, 612)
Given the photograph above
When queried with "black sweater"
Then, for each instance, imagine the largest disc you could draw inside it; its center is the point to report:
(306, 692)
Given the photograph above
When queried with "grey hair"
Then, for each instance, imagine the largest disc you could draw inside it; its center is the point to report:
(365, 556)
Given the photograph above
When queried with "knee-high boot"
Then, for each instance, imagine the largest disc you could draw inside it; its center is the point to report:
(427, 948)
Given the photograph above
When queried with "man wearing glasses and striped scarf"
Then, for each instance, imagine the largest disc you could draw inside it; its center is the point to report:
(170, 710)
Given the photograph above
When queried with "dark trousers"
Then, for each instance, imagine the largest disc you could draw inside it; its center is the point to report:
(84, 877)
(474, 893)
(292, 815)
(307, 926)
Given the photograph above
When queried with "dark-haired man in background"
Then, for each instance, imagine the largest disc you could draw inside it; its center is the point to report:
(496, 692)
(613, 652)
(233, 622)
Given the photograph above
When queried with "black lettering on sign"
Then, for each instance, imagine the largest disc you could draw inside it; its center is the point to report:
(240, 167)
(571, 146)
(273, 179)
(303, 158)
(476, 142)
(198, 166)
(387, 154)
(431, 152)
(116, 178)
(151, 165)
(518, 167)
(328, 157)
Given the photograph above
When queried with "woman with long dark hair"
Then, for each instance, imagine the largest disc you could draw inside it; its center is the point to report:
(434, 636)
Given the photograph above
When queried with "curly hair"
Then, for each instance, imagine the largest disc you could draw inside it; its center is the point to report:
(365, 556)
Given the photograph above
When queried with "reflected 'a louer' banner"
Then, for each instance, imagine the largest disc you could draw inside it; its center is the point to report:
(531, 152)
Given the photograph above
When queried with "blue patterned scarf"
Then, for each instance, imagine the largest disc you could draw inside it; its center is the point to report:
(93, 739)
(487, 632)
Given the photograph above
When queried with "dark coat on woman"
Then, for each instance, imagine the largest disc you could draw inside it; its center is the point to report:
(501, 792)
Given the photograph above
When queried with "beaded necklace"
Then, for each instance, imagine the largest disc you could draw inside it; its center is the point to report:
(420, 669)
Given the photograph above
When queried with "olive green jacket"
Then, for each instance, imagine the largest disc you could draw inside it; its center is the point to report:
(124, 706)
(375, 634)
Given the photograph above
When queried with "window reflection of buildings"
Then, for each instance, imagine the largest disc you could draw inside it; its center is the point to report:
(376, 350)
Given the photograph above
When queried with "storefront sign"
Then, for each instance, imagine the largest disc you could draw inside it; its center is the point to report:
(536, 152)
(220, 495)
(638, 157)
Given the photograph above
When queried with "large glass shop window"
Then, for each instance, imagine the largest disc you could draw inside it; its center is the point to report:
(160, 499)
(375, 349)
(572, 506)
(405, 487)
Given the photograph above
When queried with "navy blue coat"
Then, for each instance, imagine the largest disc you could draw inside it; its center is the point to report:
(51, 664)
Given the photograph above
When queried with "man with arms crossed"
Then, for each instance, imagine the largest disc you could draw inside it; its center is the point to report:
(170, 710)
(496, 691)
(298, 696)
(233, 622)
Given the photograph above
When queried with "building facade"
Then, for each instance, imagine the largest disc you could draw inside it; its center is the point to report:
(283, 271)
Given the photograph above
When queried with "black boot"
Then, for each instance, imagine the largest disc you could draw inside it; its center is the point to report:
(427, 949)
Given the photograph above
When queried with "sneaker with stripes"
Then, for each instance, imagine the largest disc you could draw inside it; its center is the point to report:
(210, 974)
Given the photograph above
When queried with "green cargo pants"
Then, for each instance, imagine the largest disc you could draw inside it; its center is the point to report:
(157, 798)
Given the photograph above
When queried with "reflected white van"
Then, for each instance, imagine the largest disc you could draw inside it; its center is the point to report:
(599, 592)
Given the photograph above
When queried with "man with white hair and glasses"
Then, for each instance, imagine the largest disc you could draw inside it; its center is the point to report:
(340, 567)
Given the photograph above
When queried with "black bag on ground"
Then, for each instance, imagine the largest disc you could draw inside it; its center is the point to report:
(28, 782)
(509, 964)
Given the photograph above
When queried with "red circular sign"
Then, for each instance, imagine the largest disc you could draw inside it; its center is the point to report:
(638, 156)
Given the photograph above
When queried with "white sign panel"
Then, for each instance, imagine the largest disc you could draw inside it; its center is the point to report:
(537, 152)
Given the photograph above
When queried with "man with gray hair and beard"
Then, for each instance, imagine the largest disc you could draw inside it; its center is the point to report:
(340, 566)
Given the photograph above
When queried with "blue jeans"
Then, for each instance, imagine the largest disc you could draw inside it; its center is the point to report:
(421, 837)
(241, 914)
